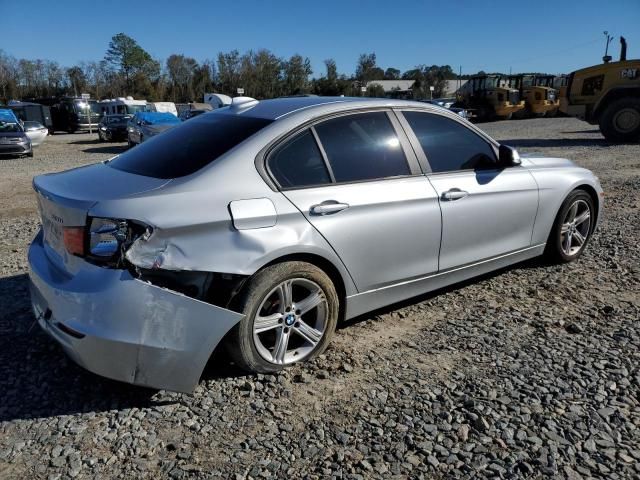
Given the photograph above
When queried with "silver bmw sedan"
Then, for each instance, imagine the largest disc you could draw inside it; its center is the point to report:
(261, 225)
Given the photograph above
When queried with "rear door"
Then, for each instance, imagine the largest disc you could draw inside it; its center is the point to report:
(487, 211)
(356, 179)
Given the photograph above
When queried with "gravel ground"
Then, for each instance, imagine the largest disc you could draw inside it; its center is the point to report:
(529, 372)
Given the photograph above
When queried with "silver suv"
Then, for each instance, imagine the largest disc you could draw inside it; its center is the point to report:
(264, 224)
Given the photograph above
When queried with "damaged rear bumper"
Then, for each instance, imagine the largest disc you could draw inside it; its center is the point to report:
(123, 328)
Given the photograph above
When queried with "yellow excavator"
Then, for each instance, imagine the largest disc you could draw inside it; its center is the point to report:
(487, 98)
(540, 98)
(607, 95)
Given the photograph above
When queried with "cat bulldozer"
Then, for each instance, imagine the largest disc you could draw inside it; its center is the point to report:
(540, 98)
(487, 98)
(607, 95)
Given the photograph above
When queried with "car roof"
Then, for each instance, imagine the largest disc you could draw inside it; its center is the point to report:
(281, 107)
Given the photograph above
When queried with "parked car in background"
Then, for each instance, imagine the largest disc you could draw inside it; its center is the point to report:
(113, 128)
(144, 125)
(194, 110)
(36, 132)
(13, 139)
(458, 111)
(254, 224)
(444, 102)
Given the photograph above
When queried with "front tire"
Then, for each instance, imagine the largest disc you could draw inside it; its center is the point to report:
(291, 311)
(572, 228)
(620, 120)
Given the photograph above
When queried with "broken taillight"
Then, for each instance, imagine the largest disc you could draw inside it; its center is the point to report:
(74, 240)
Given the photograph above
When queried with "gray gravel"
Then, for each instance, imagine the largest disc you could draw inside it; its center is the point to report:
(529, 372)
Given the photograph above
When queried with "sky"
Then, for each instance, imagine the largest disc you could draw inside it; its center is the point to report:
(522, 36)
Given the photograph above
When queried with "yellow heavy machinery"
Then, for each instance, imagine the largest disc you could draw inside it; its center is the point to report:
(607, 95)
(540, 98)
(487, 98)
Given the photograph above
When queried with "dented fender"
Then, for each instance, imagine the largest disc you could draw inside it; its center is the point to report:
(195, 232)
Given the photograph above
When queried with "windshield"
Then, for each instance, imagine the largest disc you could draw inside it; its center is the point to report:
(9, 127)
(132, 109)
(117, 119)
(82, 106)
(491, 82)
(30, 124)
(189, 147)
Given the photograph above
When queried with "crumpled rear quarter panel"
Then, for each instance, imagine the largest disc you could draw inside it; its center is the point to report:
(134, 331)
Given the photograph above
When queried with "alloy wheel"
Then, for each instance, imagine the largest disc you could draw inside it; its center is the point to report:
(290, 321)
(575, 228)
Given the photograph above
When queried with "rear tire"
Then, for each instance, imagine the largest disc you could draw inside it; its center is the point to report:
(620, 120)
(572, 228)
(275, 303)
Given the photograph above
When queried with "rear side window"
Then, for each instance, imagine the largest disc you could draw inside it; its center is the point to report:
(448, 145)
(298, 163)
(362, 147)
(189, 147)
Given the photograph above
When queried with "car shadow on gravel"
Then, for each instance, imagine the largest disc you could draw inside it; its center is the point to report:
(106, 149)
(101, 147)
(37, 379)
(534, 263)
(93, 141)
(593, 130)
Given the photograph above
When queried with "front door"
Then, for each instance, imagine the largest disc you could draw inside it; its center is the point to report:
(487, 211)
(485, 214)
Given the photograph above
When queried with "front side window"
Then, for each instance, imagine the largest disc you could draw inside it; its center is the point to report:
(362, 147)
(448, 145)
(298, 163)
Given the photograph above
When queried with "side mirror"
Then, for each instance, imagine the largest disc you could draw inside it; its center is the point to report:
(508, 156)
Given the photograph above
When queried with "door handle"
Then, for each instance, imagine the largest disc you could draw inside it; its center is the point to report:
(328, 207)
(454, 194)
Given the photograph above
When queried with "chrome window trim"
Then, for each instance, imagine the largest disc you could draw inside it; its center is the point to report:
(262, 159)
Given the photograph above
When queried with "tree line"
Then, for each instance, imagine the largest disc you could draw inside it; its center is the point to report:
(128, 69)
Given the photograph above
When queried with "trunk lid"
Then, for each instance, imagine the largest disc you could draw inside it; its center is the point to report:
(65, 198)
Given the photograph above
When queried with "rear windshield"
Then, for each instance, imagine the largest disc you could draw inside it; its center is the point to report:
(188, 147)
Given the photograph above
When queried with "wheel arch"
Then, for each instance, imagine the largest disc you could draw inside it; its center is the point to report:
(323, 264)
(613, 94)
(594, 196)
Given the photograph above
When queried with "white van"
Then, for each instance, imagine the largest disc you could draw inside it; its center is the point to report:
(168, 107)
(122, 106)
